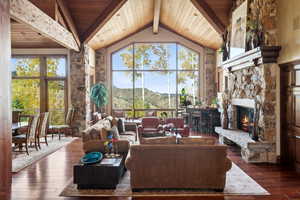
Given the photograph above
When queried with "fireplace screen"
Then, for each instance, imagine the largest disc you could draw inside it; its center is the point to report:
(245, 118)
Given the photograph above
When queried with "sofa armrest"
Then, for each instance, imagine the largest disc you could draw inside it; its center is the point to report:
(228, 164)
(186, 131)
(128, 163)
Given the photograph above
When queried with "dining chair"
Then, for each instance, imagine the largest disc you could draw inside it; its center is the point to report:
(29, 137)
(64, 128)
(43, 128)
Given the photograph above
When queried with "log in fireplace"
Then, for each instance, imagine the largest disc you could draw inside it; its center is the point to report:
(245, 118)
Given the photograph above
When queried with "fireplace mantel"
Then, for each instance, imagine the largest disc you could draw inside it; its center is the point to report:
(249, 103)
(254, 57)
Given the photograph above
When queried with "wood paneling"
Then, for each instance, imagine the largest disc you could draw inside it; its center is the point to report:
(131, 17)
(5, 98)
(221, 9)
(102, 19)
(290, 108)
(185, 19)
(42, 23)
(209, 15)
(84, 13)
(24, 37)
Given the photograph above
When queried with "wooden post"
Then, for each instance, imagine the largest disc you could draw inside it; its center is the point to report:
(5, 100)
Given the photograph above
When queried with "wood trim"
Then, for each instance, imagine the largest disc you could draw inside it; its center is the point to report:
(102, 19)
(254, 57)
(156, 15)
(25, 12)
(69, 20)
(5, 98)
(209, 15)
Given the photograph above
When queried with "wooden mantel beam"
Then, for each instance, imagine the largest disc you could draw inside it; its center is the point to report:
(25, 12)
(69, 20)
(157, 6)
(209, 15)
(102, 19)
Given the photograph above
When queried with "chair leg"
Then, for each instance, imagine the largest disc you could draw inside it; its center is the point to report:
(46, 141)
(26, 147)
(39, 143)
(35, 145)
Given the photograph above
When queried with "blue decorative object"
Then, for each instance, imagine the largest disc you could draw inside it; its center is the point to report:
(91, 158)
(99, 95)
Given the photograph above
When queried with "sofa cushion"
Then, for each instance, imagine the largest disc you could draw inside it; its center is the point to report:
(159, 140)
(197, 140)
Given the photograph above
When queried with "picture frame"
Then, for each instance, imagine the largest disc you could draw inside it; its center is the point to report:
(239, 30)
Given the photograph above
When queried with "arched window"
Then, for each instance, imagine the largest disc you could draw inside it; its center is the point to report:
(151, 76)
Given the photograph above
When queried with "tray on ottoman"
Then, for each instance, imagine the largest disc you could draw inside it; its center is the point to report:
(103, 175)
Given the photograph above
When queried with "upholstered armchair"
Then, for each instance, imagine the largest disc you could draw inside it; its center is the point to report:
(178, 124)
(150, 127)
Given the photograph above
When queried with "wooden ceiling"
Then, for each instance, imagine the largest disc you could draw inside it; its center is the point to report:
(22, 36)
(103, 22)
(133, 16)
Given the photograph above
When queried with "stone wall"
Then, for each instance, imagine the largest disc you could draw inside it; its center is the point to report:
(266, 11)
(258, 83)
(209, 67)
(80, 84)
(101, 73)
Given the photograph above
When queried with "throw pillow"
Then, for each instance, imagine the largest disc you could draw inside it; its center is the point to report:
(121, 126)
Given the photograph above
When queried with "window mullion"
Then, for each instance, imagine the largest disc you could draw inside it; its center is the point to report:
(43, 85)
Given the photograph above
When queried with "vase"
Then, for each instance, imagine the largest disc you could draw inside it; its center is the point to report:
(225, 120)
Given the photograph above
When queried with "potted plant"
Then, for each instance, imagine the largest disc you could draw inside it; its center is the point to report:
(99, 95)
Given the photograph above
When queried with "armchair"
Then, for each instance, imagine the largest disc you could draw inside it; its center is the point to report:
(179, 126)
(150, 127)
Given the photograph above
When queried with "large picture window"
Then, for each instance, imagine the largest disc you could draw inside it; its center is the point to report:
(39, 85)
(150, 76)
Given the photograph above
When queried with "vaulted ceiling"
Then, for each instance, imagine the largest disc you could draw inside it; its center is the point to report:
(103, 22)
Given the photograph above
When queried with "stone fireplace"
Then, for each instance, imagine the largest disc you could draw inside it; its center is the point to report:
(251, 82)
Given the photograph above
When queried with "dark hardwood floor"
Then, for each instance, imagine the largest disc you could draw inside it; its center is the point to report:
(46, 178)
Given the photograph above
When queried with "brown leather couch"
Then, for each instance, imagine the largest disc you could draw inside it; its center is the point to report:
(93, 141)
(178, 166)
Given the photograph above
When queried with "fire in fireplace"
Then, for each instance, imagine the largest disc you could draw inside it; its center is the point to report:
(245, 118)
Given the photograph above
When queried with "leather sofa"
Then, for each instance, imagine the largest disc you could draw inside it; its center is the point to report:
(178, 124)
(93, 141)
(178, 166)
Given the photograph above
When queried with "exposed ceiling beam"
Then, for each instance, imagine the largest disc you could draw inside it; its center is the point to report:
(69, 20)
(157, 6)
(58, 17)
(25, 12)
(102, 19)
(209, 15)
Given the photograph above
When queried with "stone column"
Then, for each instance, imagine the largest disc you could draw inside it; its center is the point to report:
(210, 90)
(5, 99)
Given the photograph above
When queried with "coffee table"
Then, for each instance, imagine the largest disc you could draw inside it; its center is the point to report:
(99, 175)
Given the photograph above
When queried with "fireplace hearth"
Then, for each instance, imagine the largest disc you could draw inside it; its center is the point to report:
(245, 118)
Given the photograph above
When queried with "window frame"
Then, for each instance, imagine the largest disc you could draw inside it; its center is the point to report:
(176, 70)
(44, 79)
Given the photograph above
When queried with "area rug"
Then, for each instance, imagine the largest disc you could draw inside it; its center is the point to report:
(22, 160)
(237, 183)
